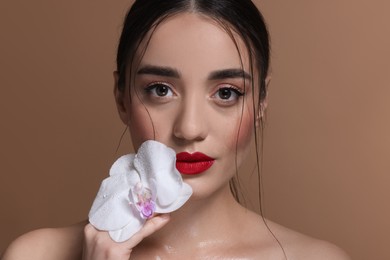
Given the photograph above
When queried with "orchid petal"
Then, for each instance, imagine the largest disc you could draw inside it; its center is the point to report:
(185, 194)
(158, 161)
(110, 210)
(122, 165)
(129, 230)
(138, 186)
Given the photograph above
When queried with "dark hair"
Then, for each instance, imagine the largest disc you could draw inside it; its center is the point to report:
(241, 16)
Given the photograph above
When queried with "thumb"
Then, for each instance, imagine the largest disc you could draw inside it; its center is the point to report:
(99, 246)
(151, 225)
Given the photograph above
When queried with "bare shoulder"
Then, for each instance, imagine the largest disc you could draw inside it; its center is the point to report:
(300, 246)
(48, 243)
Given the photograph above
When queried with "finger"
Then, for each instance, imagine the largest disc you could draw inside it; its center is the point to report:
(99, 246)
(152, 225)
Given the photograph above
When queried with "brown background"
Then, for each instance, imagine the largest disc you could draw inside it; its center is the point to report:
(327, 143)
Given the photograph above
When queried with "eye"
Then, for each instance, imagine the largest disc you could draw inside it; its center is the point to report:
(227, 94)
(159, 89)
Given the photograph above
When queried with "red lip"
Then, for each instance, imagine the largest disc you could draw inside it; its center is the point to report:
(194, 163)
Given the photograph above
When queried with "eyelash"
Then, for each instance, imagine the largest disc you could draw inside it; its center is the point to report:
(151, 90)
(232, 89)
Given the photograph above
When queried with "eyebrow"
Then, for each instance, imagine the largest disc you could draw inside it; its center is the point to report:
(159, 71)
(173, 73)
(229, 74)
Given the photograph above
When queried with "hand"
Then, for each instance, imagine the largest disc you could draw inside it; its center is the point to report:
(99, 246)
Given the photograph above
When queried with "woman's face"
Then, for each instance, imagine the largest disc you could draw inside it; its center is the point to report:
(191, 90)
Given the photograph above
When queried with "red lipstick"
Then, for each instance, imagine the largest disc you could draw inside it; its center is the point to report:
(193, 163)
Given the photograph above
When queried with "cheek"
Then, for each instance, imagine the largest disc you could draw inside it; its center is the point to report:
(243, 133)
(140, 125)
(244, 127)
(148, 123)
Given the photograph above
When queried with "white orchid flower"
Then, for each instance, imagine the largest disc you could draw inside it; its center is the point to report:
(138, 186)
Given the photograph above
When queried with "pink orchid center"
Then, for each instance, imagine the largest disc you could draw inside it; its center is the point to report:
(144, 201)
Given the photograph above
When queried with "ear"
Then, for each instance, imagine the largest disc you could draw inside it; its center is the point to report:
(263, 104)
(120, 100)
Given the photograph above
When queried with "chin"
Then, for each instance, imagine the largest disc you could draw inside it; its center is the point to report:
(205, 186)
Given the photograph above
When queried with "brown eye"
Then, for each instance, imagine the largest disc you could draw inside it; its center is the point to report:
(159, 90)
(224, 93)
(228, 94)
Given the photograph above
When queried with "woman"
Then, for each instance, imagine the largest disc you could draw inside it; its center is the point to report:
(191, 74)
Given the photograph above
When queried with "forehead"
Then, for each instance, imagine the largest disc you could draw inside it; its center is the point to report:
(191, 41)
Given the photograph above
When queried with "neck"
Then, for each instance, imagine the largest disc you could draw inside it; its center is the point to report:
(200, 220)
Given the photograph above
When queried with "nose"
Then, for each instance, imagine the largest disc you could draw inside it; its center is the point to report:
(191, 121)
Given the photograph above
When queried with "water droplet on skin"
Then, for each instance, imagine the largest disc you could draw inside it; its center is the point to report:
(170, 249)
